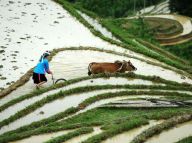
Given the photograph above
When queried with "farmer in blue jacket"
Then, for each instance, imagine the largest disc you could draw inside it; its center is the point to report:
(41, 69)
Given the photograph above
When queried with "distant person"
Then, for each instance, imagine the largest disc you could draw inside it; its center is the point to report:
(41, 69)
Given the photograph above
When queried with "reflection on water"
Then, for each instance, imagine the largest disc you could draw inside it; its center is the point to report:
(98, 26)
(42, 137)
(130, 135)
(28, 28)
(53, 108)
(109, 100)
(173, 135)
(82, 138)
(66, 66)
(100, 81)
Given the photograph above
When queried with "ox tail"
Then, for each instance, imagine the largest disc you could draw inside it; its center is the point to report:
(89, 69)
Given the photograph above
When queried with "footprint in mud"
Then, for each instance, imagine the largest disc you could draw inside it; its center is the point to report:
(13, 61)
(2, 51)
(56, 22)
(26, 4)
(15, 67)
(13, 55)
(3, 47)
(41, 112)
(183, 77)
(1, 88)
(60, 17)
(22, 38)
(8, 83)
(3, 78)
(11, 2)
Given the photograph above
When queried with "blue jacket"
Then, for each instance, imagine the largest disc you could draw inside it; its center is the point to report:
(42, 67)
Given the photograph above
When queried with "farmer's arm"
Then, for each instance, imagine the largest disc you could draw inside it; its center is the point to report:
(47, 67)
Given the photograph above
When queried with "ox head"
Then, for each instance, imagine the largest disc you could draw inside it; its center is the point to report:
(130, 66)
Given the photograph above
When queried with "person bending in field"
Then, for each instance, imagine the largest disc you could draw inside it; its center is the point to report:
(41, 69)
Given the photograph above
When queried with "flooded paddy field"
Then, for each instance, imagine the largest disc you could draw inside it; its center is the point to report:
(53, 108)
(129, 136)
(173, 135)
(31, 27)
(42, 138)
(22, 44)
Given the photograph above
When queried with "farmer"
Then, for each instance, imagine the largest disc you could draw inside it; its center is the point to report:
(40, 70)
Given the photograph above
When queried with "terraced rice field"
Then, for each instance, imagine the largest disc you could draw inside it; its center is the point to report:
(89, 109)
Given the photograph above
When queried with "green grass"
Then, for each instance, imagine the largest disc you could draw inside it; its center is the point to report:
(110, 8)
(70, 135)
(95, 117)
(119, 120)
(50, 120)
(127, 43)
(154, 79)
(132, 28)
(117, 129)
(27, 76)
(186, 140)
(152, 50)
(108, 115)
(77, 90)
(181, 50)
(161, 127)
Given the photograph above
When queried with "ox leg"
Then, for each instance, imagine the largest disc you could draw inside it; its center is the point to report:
(107, 74)
(89, 73)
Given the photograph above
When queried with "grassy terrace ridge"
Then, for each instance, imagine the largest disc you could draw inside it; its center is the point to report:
(161, 127)
(77, 90)
(96, 117)
(115, 26)
(72, 110)
(70, 135)
(124, 126)
(186, 140)
(27, 76)
(128, 44)
(183, 50)
(69, 82)
(147, 48)
(85, 104)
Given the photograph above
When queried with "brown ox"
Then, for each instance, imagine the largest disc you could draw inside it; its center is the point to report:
(117, 66)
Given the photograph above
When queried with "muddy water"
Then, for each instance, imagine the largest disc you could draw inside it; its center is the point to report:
(109, 100)
(72, 68)
(53, 108)
(173, 135)
(27, 30)
(69, 68)
(100, 81)
(82, 138)
(97, 26)
(64, 65)
(130, 135)
(42, 137)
